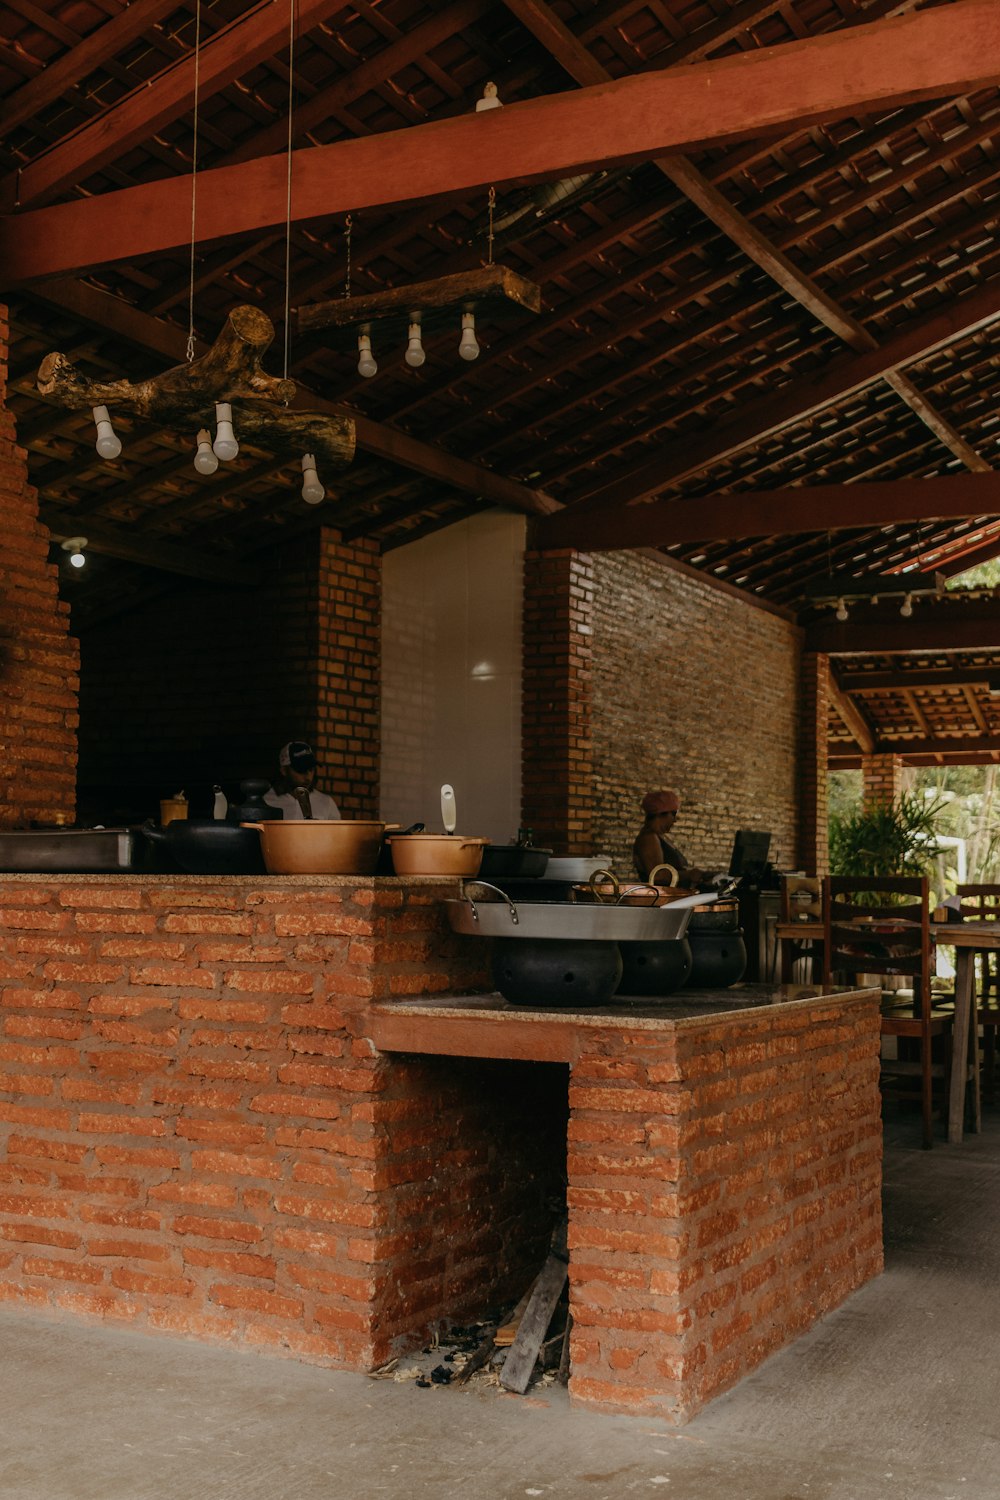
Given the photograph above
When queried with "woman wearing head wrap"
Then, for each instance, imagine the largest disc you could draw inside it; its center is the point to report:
(653, 847)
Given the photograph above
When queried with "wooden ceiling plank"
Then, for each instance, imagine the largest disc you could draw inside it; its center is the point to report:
(167, 340)
(781, 512)
(234, 50)
(926, 55)
(68, 71)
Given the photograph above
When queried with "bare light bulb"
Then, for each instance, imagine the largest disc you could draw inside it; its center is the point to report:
(415, 355)
(312, 491)
(841, 610)
(906, 608)
(468, 347)
(77, 560)
(108, 444)
(205, 460)
(367, 365)
(225, 446)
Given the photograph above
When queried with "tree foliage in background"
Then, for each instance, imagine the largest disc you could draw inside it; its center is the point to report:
(888, 838)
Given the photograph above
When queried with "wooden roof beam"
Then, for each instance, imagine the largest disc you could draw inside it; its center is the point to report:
(917, 677)
(784, 512)
(153, 552)
(933, 53)
(853, 717)
(949, 624)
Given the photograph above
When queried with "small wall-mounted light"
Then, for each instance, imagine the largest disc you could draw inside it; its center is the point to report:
(906, 608)
(841, 611)
(74, 545)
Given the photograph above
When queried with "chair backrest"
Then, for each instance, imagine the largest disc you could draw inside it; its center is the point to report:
(979, 903)
(801, 898)
(878, 926)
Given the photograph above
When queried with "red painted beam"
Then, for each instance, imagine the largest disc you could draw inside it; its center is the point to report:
(935, 53)
(784, 512)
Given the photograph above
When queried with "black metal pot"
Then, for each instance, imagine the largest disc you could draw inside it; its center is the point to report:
(513, 862)
(552, 971)
(719, 958)
(655, 968)
(253, 808)
(209, 846)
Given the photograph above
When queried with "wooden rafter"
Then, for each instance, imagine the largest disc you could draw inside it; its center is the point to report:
(153, 552)
(932, 53)
(853, 717)
(949, 625)
(805, 508)
(917, 677)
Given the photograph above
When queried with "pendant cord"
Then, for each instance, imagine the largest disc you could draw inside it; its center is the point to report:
(348, 224)
(194, 175)
(489, 242)
(288, 185)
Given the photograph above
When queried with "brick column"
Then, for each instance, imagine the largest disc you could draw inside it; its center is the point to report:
(39, 660)
(881, 779)
(813, 847)
(557, 763)
(347, 727)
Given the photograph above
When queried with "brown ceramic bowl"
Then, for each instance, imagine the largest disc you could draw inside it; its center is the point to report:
(436, 854)
(319, 846)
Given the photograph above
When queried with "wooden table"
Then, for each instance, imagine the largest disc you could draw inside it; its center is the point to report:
(968, 939)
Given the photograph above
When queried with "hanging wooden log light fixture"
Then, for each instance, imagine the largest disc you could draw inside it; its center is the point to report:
(228, 384)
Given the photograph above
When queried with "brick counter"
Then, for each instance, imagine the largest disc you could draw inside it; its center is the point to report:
(209, 1127)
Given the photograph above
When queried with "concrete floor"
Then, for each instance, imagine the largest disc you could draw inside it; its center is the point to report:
(893, 1395)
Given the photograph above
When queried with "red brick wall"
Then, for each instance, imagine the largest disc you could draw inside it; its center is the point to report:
(556, 709)
(881, 778)
(814, 830)
(205, 684)
(39, 660)
(193, 1129)
(694, 689)
(724, 1194)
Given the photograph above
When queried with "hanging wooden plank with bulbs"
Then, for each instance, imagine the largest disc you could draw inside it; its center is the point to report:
(247, 403)
(491, 289)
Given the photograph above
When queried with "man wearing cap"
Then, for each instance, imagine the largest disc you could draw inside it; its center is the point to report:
(294, 788)
(652, 846)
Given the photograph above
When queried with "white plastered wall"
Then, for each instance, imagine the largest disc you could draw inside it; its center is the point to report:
(451, 676)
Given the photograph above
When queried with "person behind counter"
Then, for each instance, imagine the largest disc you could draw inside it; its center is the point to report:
(653, 847)
(294, 789)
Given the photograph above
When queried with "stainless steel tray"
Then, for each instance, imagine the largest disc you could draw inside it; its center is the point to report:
(498, 916)
(69, 851)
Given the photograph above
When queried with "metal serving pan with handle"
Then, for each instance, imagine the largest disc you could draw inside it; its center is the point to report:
(498, 916)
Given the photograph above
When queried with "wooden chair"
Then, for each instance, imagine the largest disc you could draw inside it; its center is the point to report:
(799, 931)
(981, 903)
(875, 926)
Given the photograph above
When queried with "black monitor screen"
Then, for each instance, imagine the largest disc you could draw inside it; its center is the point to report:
(749, 852)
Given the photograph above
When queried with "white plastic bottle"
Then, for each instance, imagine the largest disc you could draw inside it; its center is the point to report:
(219, 806)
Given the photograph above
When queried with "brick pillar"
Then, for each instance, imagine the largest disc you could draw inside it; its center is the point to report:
(557, 759)
(813, 847)
(39, 660)
(347, 726)
(881, 779)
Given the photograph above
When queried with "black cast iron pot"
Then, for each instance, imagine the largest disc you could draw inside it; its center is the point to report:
(553, 971)
(513, 862)
(719, 958)
(209, 846)
(655, 968)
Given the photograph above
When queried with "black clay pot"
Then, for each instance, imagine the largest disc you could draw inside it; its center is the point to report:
(550, 971)
(209, 846)
(655, 968)
(252, 808)
(723, 916)
(719, 958)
